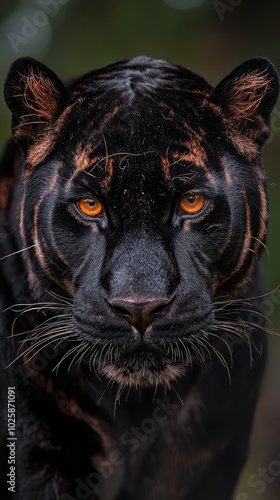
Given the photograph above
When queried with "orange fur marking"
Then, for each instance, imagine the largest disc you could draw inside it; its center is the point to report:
(247, 94)
(70, 406)
(42, 147)
(243, 144)
(214, 107)
(39, 152)
(165, 167)
(40, 95)
(5, 189)
(195, 156)
(244, 251)
(109, 167)
(82, 156)
(40, 248)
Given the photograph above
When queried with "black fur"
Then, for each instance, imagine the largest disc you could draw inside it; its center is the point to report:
(128, 334)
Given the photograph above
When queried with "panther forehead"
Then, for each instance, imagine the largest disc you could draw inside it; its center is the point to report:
(170, 164)
(141, 75)
(134, 107)
(141, 139)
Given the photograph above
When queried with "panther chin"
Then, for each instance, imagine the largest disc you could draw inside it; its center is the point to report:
(143, 366)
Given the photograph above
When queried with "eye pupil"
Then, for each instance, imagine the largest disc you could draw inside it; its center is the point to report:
(191, 199)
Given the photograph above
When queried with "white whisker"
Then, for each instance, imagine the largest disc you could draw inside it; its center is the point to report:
(17, 252)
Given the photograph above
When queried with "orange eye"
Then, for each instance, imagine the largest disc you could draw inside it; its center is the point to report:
(192, 203)
(90, 206)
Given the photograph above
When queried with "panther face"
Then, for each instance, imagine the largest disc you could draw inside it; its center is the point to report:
(142, 203)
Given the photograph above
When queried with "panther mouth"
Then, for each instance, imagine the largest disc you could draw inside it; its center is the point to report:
(142, 366)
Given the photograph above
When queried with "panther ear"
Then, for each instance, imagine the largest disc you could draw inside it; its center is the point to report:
(35, 96)
(248, 95)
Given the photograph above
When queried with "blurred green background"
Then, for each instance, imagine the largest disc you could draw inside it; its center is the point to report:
(211, 38)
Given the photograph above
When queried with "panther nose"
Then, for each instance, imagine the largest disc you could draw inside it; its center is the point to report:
(140, 314)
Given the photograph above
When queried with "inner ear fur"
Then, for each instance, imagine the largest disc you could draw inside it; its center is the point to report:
(248, 95)
(35, 96)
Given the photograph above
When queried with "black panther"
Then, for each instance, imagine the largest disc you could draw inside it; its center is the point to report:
(133, 216)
